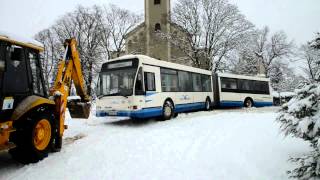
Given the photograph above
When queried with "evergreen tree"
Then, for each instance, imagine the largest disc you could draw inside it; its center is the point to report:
(301, 118)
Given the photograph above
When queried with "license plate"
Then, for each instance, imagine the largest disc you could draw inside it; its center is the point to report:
(112, 113)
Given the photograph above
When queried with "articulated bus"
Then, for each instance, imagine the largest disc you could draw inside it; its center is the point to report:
(139, 87)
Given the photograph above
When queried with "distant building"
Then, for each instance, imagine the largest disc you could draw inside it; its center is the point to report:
(145, 39)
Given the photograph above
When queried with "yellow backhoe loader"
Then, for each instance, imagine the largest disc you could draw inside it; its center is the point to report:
(32, 120)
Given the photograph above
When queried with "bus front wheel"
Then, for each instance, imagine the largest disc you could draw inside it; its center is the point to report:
(167, 110)
(248, 103)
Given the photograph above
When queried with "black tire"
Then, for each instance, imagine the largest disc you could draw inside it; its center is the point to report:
(248, 103)
(207, 105)
(167, 111)
(33, 144)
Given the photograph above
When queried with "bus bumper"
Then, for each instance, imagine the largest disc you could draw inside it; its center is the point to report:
(143, 113)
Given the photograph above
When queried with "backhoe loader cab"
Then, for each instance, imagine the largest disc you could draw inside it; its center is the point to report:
(20, 74)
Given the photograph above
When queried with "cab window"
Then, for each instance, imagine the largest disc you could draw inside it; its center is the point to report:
(2, 64)
(35, 73)
(2, 58)
(15, 79)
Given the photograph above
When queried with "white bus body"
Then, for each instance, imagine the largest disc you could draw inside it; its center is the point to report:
(137, 86)
(238, 91)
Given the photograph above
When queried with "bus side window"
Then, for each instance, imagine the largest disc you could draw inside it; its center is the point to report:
(206, 83)
(196, 80)
(139, 90)
(149, 80)
(227, 83)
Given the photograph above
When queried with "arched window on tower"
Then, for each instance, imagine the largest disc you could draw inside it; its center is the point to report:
(157, 1)
(157, 27)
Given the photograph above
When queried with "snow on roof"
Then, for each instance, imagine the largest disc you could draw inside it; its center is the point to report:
(24, 40)
(282, 94)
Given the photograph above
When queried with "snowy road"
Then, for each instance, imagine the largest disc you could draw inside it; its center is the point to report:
(222, 144)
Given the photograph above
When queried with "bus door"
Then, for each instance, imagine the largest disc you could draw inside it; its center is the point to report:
(152, 86)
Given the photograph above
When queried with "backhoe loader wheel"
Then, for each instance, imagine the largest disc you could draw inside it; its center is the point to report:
(34, 139)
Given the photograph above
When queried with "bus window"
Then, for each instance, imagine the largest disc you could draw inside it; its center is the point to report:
(98, 87)
(169, 80)
(196, 80)
(139, 84)
(149, 80)
(227, 83)
(245, 85)
(261, 87)
(185, 81)
(206, 83)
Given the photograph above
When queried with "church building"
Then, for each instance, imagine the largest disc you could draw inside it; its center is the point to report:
(146, 38)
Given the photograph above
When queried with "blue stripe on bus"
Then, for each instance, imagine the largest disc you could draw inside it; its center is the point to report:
(231, 103)
(189, 107)
(262, 104)
(153, 112)
(143, 113)
(240, 104)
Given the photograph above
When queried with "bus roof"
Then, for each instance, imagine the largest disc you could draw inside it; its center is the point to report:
(236, 76)
(155, 62)
(21, 41)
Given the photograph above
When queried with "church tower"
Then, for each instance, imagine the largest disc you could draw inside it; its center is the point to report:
(157, 18)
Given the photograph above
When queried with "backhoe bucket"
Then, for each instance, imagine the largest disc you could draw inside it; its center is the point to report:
(79, 110)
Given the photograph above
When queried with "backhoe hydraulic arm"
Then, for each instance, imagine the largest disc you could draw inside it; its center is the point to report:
(69, 70)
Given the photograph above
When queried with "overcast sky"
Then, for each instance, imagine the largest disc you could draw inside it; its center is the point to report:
(300, 19)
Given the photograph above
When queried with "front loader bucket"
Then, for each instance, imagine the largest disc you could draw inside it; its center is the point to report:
(79, 110)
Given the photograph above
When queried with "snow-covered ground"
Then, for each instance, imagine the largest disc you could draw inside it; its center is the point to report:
(222, 144)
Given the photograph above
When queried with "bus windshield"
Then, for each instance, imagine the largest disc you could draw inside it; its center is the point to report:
(116, 82)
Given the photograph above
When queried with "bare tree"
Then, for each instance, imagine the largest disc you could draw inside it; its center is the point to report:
(83, 24)
(269, 49)
(50, 55)
(117, 23)
(214, 28)
(243, 60)
(310, 57)
(98, 31)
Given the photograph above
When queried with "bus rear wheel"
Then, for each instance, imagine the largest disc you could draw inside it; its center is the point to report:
(248, 103)
(167, 111)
